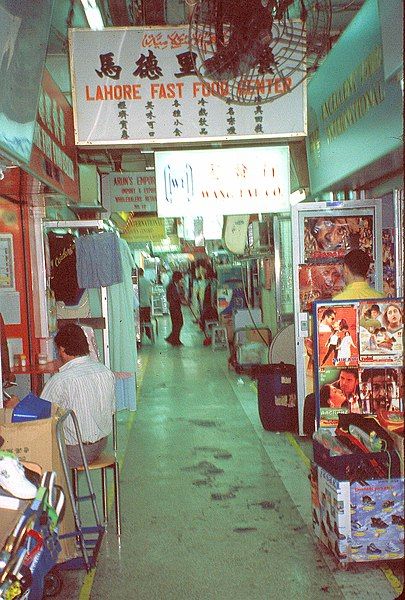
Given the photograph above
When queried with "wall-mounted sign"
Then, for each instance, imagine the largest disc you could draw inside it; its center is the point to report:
(392, 30)
(24, 32)
(354, 113)
(139, 85)
(7, 276)
(148, 229)
(233, 181)
(53, 157)
(129, 192)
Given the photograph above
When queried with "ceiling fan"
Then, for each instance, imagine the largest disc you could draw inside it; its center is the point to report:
(249, 45)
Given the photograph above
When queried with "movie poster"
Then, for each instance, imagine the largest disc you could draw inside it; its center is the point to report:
(319, 282)
(388, 258)
(337, 335)
(367, 376)
(338, 393)
(381, 331)
(330, 238)
(381, 389)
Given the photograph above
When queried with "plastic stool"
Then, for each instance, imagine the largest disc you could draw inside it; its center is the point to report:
(209, 326)
(219, 338)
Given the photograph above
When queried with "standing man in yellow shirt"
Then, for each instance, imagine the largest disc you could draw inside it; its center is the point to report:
(355, 268)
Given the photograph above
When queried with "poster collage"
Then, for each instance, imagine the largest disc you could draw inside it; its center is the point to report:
(358, 357)
(326, 241)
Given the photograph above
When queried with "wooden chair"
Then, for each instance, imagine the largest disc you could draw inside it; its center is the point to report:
(104, 462)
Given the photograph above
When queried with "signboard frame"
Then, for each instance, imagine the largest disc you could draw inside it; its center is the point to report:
(129, 191)
(283, 119)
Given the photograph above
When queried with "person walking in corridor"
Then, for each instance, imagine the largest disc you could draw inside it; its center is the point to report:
(176, 315)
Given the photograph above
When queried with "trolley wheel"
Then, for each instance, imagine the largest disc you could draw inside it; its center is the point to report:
(52, 583)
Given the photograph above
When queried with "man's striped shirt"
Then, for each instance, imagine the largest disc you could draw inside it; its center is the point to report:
(88, 388)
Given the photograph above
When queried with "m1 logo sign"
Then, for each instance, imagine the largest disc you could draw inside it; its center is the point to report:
(228, 181)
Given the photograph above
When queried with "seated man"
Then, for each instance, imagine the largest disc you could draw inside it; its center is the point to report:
(88, 388)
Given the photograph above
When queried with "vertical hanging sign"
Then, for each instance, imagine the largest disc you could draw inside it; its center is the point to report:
(53, 157)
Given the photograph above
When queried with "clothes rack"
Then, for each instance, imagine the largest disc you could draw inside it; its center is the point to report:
(95, 322)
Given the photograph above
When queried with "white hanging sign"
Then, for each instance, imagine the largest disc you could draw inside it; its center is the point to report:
(139, 85)
(227, 181)
(129, 192)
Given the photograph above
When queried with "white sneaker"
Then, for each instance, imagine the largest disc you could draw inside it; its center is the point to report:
(12, 477)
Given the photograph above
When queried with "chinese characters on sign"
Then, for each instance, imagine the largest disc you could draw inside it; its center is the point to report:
(222, 181)
(53, 156)
(126, 80)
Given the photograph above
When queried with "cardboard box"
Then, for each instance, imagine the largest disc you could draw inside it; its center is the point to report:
(334, 511)
(35, 441)
(358, 523)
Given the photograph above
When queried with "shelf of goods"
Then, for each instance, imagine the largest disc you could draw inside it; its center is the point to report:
(159, 302)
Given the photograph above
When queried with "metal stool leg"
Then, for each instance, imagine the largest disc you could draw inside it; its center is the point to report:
(75, 483)
(75, 488)
(117, 498)
(104, 492)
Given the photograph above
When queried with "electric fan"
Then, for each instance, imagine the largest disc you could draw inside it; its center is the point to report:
(252, 52)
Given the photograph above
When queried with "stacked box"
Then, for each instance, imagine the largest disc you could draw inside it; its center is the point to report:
(36, 441)
(377, 520)
(359, 521)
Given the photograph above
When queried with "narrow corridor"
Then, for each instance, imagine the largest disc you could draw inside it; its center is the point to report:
(214, 507)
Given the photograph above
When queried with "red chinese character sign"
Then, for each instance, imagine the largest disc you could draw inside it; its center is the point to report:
(139, 85)
(53, 157)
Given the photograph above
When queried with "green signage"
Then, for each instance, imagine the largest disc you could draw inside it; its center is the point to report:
(354, 113)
